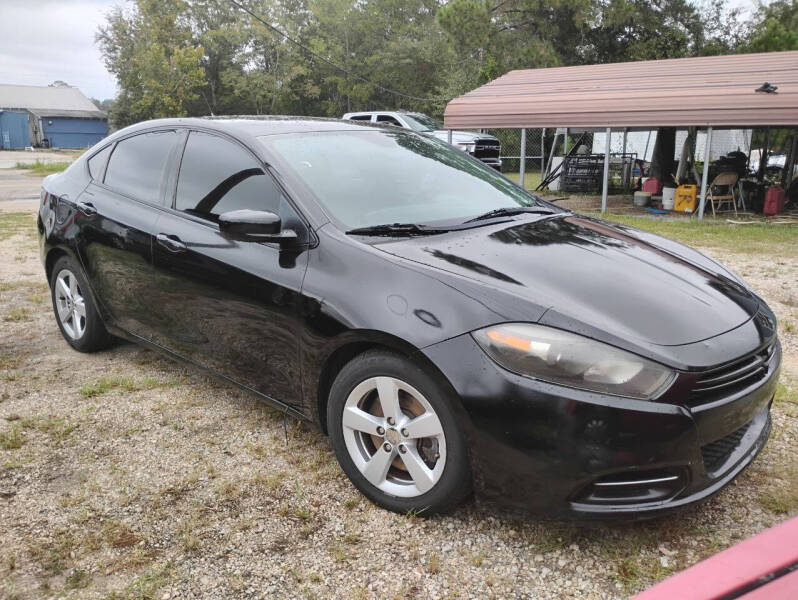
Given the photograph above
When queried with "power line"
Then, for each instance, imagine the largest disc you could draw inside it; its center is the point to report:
(328, 61)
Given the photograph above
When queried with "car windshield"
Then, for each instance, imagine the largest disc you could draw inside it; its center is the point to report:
(421, 122)
(368, 178)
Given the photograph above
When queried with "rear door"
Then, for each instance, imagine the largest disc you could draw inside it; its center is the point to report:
(117, 215)
(229, 306)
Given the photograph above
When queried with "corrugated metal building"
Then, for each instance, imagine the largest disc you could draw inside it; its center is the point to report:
(56, 116)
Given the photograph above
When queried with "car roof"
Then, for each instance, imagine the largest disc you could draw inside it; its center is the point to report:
(254, 126)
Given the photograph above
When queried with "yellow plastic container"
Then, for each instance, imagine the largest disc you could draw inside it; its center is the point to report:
(685, 200)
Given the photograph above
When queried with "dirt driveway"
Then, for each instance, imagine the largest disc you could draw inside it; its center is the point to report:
(124, 475)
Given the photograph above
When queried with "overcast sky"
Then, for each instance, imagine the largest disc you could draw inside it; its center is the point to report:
(45, 40)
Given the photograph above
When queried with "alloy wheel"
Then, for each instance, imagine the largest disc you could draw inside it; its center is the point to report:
(70, 305)
(394, 437)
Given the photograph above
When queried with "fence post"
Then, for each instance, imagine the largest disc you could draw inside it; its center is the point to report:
(606, 187)
(542, 153)
(449, 136)
(705, 173)
(522, 166)
(625, 181)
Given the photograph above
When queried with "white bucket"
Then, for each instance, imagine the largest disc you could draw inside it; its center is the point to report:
(668, 197)
(642, 198)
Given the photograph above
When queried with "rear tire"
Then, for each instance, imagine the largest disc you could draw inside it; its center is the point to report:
(75, 313)
(396, 435)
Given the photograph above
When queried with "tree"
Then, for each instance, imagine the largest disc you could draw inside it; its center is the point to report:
(157, 66)
(775, 27)
(200, 57)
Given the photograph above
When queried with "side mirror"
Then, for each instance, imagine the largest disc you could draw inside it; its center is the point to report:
(255, 226)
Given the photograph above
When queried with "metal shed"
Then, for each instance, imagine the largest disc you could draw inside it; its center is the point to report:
(60, 116)
(711, 91)
(71, 128)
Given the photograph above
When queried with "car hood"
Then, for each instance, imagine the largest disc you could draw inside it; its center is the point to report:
(592, 275)
(462, 137)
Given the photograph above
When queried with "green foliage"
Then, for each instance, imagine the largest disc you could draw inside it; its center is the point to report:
(180, 58)
(43, 168)
(156, 62)
(775, 28)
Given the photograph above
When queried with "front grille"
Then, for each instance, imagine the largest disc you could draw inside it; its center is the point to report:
(487, 149)
(718, 452)
(734, 376)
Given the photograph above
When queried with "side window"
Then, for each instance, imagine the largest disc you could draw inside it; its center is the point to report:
(388, 120)
(97, 163)
(136, 167)
(217, 176)
(360, 118)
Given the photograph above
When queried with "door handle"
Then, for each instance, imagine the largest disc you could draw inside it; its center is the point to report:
(87, 208)
(170, 242)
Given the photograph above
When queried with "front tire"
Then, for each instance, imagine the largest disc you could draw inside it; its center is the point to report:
(396, 435)
(75, 313)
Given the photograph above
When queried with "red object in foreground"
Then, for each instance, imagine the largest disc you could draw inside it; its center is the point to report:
(774, 200)
(764, 567)
(653, 185)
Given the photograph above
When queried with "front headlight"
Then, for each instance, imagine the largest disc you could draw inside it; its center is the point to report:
(466, 147)
(568, 359)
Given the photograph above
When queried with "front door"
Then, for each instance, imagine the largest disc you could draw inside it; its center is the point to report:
(232, 307)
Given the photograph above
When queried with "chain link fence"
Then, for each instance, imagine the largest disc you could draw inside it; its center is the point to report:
(511, 148)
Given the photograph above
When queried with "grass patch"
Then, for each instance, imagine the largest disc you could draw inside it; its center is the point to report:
(531, 179)
(18, 314)
(77, 579)
(43, 168)
(145, 587)
(12, 224)
(12, 439)
(56, 427)
(53, 555)
(785, 393)
(126, 384)
(754, 238)
(781, 497)
(434, 563)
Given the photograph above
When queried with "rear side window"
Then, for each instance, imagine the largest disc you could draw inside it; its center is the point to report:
(360, 118)
(217, 176)
(97, 163)
(138, 163)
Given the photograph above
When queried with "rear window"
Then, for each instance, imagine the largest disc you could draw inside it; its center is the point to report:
(137, 165)
(97, 163)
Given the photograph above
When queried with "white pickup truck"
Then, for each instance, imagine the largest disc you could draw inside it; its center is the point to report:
(479, 145)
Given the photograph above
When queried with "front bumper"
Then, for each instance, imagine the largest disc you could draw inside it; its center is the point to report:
(567, 452)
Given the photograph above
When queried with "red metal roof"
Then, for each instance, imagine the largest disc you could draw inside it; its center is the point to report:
(709, 90)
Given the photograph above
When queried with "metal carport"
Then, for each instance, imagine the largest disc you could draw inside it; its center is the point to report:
(704, 92)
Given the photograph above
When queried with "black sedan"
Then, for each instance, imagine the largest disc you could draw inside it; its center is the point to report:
(448, 330)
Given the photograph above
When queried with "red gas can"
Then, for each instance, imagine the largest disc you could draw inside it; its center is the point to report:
(653, 185)
(774, 201)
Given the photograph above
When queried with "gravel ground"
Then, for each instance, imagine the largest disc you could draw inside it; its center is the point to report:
(124, 475)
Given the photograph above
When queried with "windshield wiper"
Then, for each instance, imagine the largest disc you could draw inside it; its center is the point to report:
(509, 211)
(397, 229)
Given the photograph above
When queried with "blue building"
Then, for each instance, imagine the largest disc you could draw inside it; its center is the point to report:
(54, 116)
